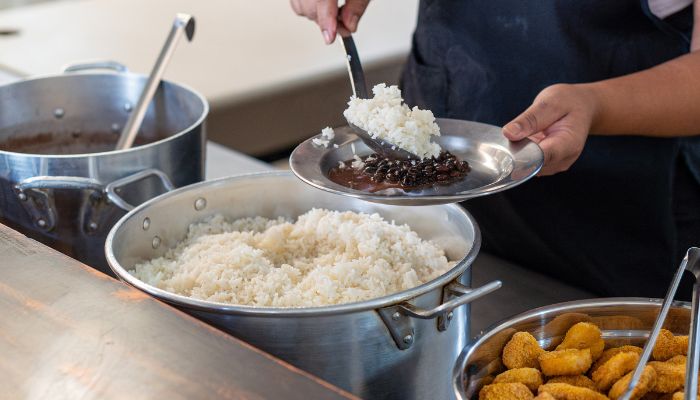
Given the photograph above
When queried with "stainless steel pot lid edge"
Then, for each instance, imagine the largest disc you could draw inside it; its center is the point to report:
(462, 266)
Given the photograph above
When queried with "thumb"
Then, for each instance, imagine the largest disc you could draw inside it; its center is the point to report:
(538, 117)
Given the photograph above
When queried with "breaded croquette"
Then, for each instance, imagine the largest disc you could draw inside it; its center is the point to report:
(522, 351)
(584, 335)
(645, 384)
(505, 391)
(544, 396)
(681, 359)
(564, 391)
(530, 377)
(613, 369)
(669, 377)
(609, 353)
(575, 380)
(565, 362)
(667, 345)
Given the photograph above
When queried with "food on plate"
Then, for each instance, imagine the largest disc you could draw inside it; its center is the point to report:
(668, 345)
(530, 377)
(670, 377)
(575, 380)
(571, 375)
(680, 396)
(386, 117)
(373, 173)
(564, 391)
(323, 258)
(327, 134)
(646, 383)
(522, 351)
(609, 353)
(584, 335)
(505, 391)
(613, 369)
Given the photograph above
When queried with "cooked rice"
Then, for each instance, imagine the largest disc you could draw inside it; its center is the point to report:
(386, 117)
(324, 258)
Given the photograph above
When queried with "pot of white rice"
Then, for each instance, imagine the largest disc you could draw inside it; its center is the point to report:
(372, 298)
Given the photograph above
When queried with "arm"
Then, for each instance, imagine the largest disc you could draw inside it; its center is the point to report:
(663, 101)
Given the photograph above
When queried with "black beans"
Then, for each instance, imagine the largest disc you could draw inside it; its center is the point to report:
(411, 174)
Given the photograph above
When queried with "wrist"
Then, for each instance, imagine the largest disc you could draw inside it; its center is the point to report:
(592, 97)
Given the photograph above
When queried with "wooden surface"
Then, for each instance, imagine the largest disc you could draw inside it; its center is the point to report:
(69, 332)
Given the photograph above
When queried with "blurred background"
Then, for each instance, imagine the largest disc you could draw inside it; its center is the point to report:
(270, 80)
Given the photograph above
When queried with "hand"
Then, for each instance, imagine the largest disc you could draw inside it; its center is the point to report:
(325, 14)
(559, 120)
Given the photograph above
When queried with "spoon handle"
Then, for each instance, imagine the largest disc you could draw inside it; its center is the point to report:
(183, 23)
(357, 75)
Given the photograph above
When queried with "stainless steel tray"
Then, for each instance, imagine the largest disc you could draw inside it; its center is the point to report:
(497, 164)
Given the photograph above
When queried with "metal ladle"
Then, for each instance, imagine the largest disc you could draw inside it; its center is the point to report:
(691, 262)
(184, 23)
(359, 89)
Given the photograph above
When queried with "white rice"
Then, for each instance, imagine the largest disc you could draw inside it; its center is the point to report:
(327, 134)
(325, 257)
(386, 117)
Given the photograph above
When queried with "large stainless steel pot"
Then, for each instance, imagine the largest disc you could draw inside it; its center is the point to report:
(400, 346)
(621, 320)
(69, 202)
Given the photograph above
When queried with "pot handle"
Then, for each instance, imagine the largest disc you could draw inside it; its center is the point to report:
(465, 295)
(107, 64)
(58, 182)
(399, 318)
(112, 188)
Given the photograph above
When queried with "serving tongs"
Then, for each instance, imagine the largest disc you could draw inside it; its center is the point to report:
(359, 89)
(691, 263)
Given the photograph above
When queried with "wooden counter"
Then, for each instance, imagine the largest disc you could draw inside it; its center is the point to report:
(69, 332)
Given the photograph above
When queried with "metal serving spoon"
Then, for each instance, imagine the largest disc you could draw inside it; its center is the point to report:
(691, 262)
(359, 89)
(184, 23)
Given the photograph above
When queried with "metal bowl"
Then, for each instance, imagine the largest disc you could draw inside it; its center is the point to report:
(623, 321)
(496, 164)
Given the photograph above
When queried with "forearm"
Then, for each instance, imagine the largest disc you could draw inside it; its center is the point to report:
(661, 101)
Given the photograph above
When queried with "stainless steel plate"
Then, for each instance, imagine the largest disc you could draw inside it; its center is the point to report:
(497, 164)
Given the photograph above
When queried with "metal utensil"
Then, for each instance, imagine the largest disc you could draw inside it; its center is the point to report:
(184, 23)
(691, 262)
(496, 164)
(359, 89)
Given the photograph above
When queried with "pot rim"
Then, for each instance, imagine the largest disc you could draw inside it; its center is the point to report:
(553, 309)
(225, 308)
(198, 122)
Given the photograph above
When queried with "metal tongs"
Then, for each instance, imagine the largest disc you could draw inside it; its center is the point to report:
(691, 262)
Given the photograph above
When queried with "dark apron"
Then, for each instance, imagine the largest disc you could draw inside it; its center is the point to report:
(610, 223)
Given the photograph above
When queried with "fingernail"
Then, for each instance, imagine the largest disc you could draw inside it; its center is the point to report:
(353, 22)
(513, 129)
(327, 36)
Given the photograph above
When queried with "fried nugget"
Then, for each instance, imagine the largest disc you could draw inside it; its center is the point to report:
(565, 362)
(680, 396)
(667, 346)
(505, 391)
(544, 396)
(609, 353)
(614, 369)
(669, 377)
(564, 391)
(680, 359)
(575, 380)
(645, 384)
(530, 377)
(584, 335)
(521, 351)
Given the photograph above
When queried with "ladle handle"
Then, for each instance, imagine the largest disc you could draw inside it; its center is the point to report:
(357, 75)
(183, 23)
